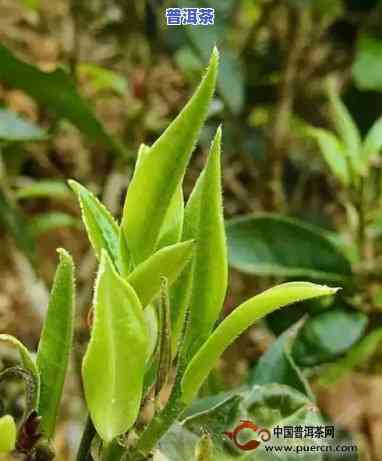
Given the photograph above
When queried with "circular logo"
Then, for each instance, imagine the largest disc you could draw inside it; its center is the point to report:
(250, 445)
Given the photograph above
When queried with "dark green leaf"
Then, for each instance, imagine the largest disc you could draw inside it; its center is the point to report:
(269, 244)
(57, 92)
(14, 222)
(367, 67)
(279, 404)
(278, 366)
(214, 414)
(328, 335)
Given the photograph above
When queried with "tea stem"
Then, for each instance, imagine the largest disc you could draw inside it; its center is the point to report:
(112, 451)
(86, 440)
(161, 422)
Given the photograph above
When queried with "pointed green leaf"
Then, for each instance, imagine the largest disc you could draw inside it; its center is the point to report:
(56, 342)
(333, 152)
(142, 154)
(277, 365)
(164, 349)
(8, 432)
(162, 170)
(171, 230)
(372, 144)
(167, 262)
(26, 360)
(125, 260)
(114, 363)
(237, 322)
(207, 282)
(100, 225)
(346, 128)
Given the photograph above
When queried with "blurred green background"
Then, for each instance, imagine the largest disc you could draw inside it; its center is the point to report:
(83, 84)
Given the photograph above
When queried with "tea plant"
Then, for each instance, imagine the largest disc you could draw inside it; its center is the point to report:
(274, 245)
(159, 292)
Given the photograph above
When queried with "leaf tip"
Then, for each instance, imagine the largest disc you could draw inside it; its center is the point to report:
(74, 185)
(213, 64)
(215, 55)
(64, 254)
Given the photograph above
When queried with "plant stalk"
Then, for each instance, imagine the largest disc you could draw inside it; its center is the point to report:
(112, 451)
(86, 440)
(361, 231)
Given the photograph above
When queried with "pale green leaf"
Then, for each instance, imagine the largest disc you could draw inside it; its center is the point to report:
(101, 78)
(8, 433)
(167, 262)
(46, 222)
(102, 230)
(27, 360)
(346, 128)
(44, 188)
(171, 229)
(372, 144)
(333, 152)
(125, 260)
(114, 363)
(56, 342)
(209, 269)
(237, 322)
(152, 323)
(162, 170)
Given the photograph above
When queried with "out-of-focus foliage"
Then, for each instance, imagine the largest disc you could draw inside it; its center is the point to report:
(301, 174)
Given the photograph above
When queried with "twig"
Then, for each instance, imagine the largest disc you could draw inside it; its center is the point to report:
(86, 440)
(280, 127)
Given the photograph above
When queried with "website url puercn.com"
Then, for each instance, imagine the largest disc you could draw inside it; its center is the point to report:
(304, 449)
